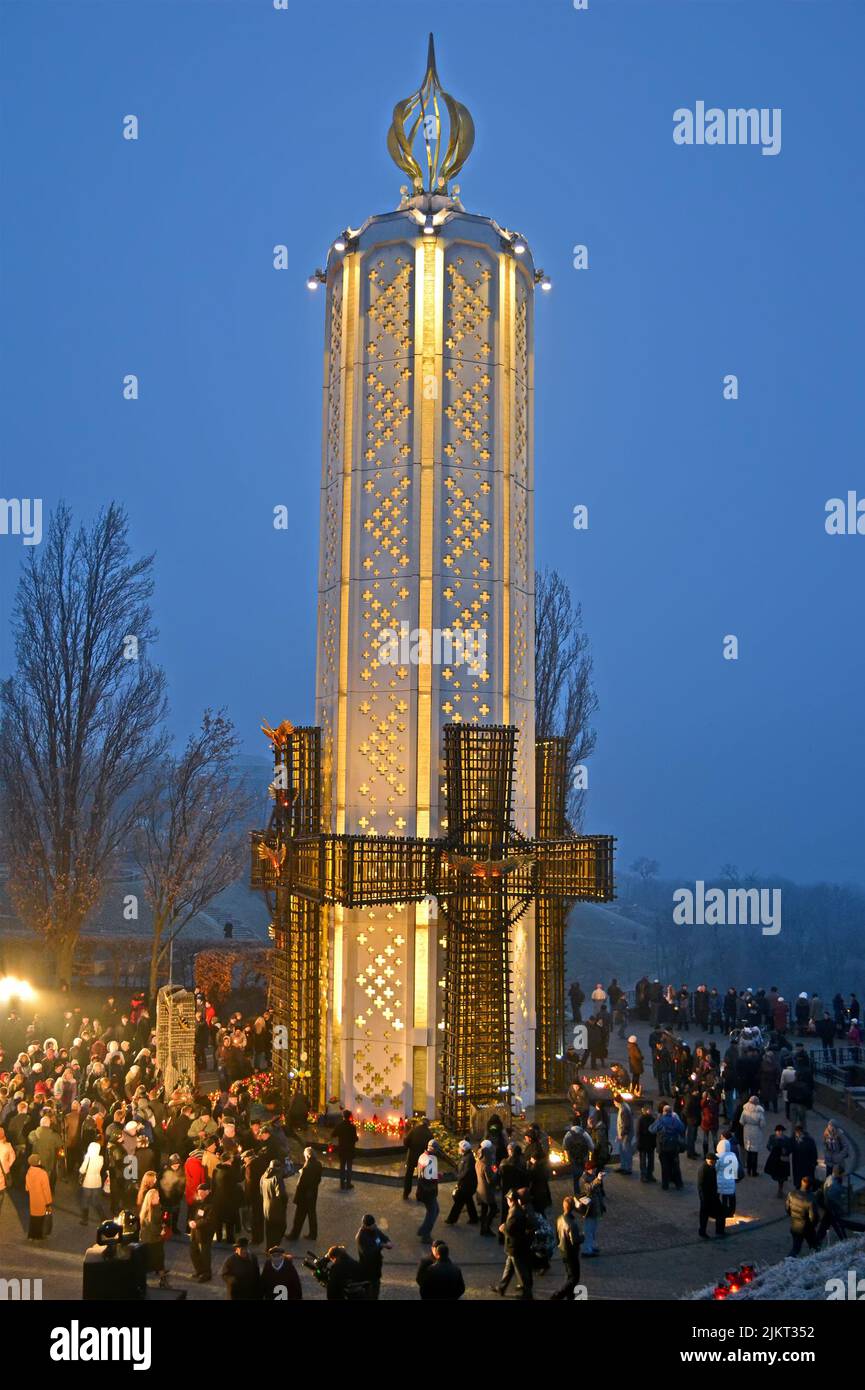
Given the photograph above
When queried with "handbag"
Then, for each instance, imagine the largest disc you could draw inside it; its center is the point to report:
(48, 1223)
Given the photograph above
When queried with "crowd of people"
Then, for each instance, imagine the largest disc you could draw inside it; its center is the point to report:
(721, 1100)
(85, 1104)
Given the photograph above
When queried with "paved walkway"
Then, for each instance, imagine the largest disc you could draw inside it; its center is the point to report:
(649, 1243)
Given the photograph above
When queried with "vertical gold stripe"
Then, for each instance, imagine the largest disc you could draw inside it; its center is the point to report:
(429, 263)
(350, 307)
(507, 282)
(421, 965)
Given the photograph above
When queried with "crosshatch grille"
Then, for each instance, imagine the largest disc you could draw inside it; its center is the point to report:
(485, 876)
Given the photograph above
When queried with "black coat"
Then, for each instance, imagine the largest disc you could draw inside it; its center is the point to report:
(415, 1143)
(707, 1186)
(345, 1137)
(273, 1281)
(308, 1182)
(242, 1278)
(804, 1156)
(440, 1280)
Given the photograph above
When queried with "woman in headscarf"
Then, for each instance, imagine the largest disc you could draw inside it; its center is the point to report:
(150, 1217)
(39, 1197)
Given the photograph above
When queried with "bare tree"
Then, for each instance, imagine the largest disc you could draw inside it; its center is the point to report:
(79, 722)
(565, 697)
(190, 839)
(645, 868)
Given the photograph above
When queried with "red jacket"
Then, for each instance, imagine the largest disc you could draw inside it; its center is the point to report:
(196, 1176)
(709, 1115)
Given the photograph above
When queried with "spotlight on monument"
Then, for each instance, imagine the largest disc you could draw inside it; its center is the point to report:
(340, 244)
(519, 246)
(428, 228)
(13, 988)
(317, 278)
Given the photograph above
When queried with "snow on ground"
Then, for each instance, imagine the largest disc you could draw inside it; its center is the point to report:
(807, 1278)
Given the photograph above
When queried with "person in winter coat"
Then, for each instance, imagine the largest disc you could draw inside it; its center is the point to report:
(371, 1242)
(7, 1163)
(781, 1015)
(306, 1196)
(196, 1175)
(753, 1125)
(39, 1196)
(626, 1136)
(151, 1232)
(836, 1150)
(414, 1143)
(516, 1230)
(592, 1205)
(487, 1188)
(199, 1221)
(513, 1173)
(47, 1144)
(570, 1238)
(578, 1144)
(345, 1143)
(438, 1278)
(636, 1063)
(241, 1274)
(466, 1186)
(709, 1121)
(803, 1157)
(670, 1133)
(275, 1202)
(280, 1281)
(770, 1080)
(90, 1180)
(692, 1113)
(834, 1200)
(802, 1014)
(172, 1186)
(226, 1190)
(600, 1138)
(428, 1188)
(710, 1207)
(342, 1271)
(777, 1165)
(646, 1144)
(727, 1170)
(804, 1220)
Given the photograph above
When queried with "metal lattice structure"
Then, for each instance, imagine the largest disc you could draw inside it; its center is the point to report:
(550, 797)
(485, 876)
(175, 1036)
(297, 982)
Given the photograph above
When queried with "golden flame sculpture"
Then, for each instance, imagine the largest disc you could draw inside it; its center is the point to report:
(423, 112)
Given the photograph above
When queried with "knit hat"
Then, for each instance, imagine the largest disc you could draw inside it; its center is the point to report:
(632, 1038)
(464, 1146)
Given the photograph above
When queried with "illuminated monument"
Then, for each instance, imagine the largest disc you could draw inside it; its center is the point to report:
(418, 881)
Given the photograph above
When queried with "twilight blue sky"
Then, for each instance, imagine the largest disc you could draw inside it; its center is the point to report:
(706, 516)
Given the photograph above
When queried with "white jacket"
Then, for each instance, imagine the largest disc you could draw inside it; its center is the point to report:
(726, 1168)
(753, 1120)
(91, 1167)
